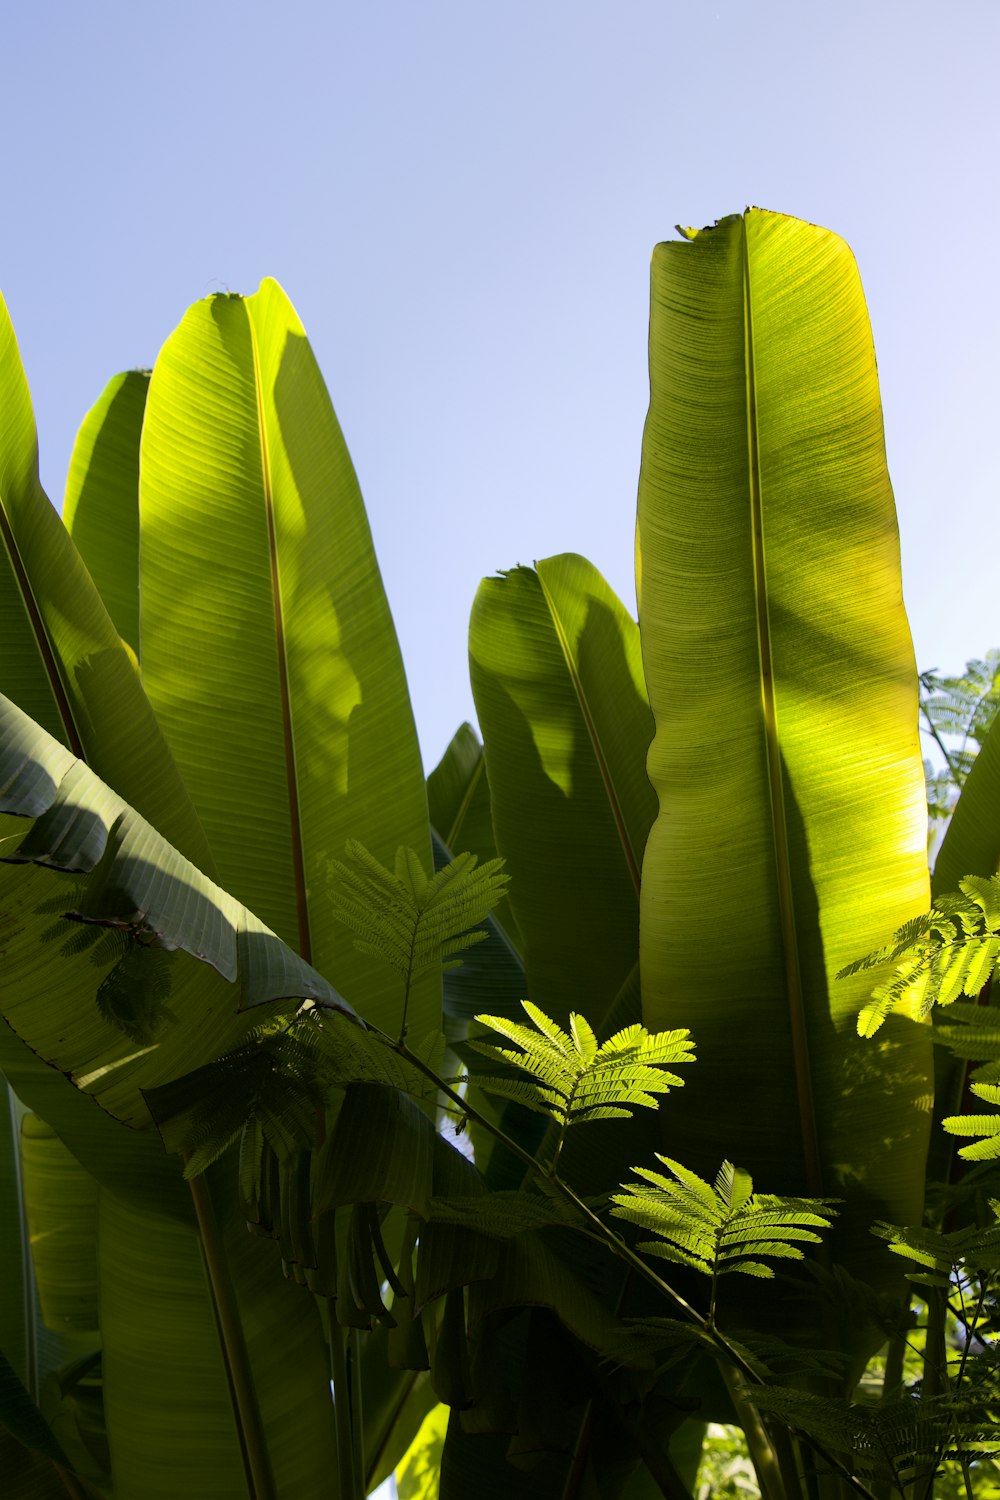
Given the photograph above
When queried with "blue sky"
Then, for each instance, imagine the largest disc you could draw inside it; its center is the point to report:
(461, 201)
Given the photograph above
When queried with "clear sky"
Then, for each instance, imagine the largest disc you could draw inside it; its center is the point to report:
(461, 200)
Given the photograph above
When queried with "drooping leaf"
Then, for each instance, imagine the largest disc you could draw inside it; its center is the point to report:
(273, 1079)
(131, 878)
(382, 1148)
(503, 1214)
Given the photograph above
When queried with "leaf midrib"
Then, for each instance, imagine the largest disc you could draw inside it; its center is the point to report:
(779, 823)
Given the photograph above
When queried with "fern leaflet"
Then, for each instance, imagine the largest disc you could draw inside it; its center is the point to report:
(985, 1126)
(411, 921)
(943, 1256)
(895, 1442)
(573, 1079)
(951, 950)
(722, 1228)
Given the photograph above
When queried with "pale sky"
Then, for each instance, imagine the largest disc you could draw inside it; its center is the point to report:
(461, 201)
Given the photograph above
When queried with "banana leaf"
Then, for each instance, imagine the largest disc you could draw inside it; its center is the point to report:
(268, 650)
(46, 1329)
(125, 873)
(60, 1204)
(64, 662)
(193, 952)
(557, 680)
(101, 506)
(166, 1395)
(458, 800)
(22, 1420)
(971, 845)
(65, 665)
(791, 829)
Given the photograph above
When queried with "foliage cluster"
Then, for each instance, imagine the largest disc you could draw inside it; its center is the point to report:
(560, 1153)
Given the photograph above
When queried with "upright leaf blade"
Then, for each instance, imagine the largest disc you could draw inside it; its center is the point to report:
(791, 827)
(557, 679)
(283, 692)
(101, 508)
(458, 800)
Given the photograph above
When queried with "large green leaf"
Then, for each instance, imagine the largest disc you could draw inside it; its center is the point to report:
(267, 645)
(557, 678)
(458, 800)
(18, 1306)
(65, 665)
(791, 831)
(60, 1201)
(178, 929)
(101, 508)
(39, 1351)
(63, 661)
(166, 1395)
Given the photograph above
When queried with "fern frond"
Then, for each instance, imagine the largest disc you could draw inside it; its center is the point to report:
(972, 1033)
(986, 1126)
(951, 950)
(895, 1440)
(962, 708)
(571, 1078)
(411, 921)
(720, 1229)
(974, 1249)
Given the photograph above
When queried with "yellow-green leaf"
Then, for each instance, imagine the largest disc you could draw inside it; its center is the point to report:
(791, 830)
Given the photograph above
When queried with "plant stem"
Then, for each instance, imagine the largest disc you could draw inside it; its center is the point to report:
(762, 1450)
(256, 1462)
(357, 1408)
(613, 1241)
(346, 1467)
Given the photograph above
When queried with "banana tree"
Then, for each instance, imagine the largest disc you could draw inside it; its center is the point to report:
(779, 834)
(791, 832)
(324, 663)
